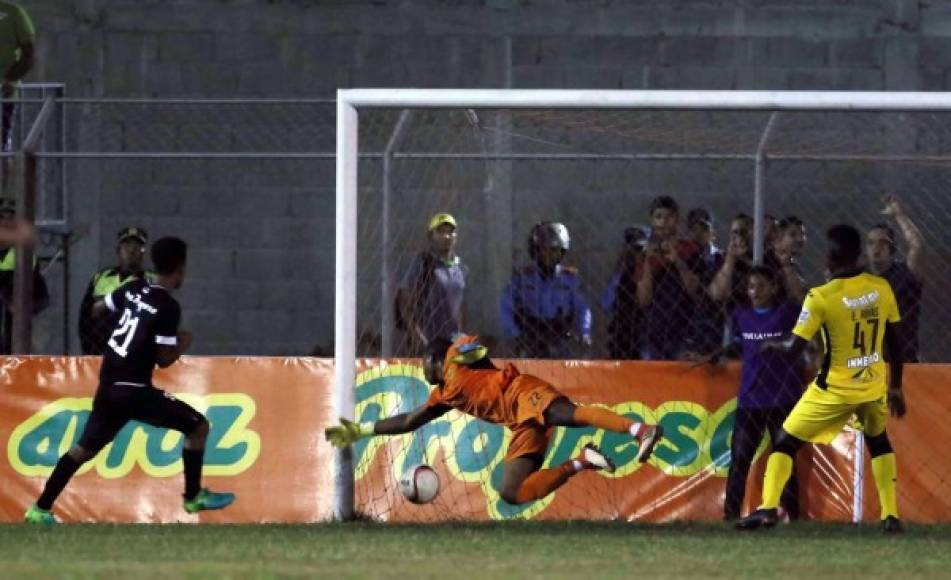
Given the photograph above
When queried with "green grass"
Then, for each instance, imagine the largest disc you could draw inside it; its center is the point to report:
(581, 551)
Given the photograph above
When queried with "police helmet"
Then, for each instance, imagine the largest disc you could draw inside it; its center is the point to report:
(548, 235)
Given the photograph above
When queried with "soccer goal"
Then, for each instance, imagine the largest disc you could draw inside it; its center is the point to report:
(507, 166)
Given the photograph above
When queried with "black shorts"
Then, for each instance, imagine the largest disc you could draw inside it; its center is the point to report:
(116, 405)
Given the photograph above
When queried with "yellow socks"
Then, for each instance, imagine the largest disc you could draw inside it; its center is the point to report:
(778, 469)
(885, 470)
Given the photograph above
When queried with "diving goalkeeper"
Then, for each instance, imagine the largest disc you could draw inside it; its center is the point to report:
(466, 379)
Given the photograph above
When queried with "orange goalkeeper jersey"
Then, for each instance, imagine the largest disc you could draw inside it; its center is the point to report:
(484, 393)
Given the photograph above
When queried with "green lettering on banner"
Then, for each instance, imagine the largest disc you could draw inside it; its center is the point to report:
(42, 446)
(36, 444)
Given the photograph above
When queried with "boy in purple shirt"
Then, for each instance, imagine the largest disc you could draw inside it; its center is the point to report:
(770, 386)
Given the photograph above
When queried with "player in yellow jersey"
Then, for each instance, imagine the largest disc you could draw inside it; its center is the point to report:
(856, 315)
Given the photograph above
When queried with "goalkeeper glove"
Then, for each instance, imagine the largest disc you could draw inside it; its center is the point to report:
(347, 432)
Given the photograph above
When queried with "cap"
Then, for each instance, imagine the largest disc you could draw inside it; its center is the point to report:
(134, 234)
(440, 219)
(699, 215)
(8, 206)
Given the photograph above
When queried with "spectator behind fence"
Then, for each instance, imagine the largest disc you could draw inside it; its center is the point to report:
(544, 313)
(770, 384)
(429, 301)
(706, 326)
(668, 283)
(95, 328)
(41, 296)
(16, 59)
(786, 256)
(905, 277)
(620, 298)
(770, 230)
(729, 284)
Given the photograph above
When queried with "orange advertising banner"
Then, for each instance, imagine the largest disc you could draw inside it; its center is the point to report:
(266, 445)
(266, 415)
(684, 480)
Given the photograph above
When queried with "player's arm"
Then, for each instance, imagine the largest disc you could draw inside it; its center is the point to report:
(167, 355)
(408, 422)
(810, 319)
(349, 432)
(171, 343)
(112, 302)
(893, 346)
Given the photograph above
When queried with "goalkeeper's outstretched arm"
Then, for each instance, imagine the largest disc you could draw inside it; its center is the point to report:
(407, 422)
(348, 432)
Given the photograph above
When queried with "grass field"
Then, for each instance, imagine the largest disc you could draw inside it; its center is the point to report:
(500, 550)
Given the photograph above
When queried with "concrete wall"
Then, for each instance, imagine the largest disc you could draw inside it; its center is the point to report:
(253, 237)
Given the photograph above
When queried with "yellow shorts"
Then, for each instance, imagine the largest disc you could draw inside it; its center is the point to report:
(820, 415)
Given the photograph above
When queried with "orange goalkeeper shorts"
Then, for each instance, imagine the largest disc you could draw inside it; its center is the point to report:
(530, 435)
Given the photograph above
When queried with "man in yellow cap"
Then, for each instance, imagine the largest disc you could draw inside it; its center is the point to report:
(429, 302)
(95, 327)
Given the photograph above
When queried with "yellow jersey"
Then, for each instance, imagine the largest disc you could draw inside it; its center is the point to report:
(850, 314)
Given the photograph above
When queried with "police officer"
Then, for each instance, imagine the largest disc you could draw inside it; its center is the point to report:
(94, 329)
(41, 295)
(543, 309)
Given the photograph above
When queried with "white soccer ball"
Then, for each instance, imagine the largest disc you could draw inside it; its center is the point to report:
(419, 484)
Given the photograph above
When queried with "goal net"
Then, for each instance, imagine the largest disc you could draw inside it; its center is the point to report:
(586, 236)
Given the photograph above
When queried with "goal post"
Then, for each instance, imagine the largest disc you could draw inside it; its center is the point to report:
(351, 103)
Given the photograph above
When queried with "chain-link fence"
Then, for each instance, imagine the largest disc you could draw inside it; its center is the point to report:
(631, 235)
(224, 173)
(249, 184)
(568, 235)
(638, 192)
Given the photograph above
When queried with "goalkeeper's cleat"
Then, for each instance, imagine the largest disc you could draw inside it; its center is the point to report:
(761, 518)
(594, 458)
(208, 500)
(35, 515)
(649, 438)
(892, 525)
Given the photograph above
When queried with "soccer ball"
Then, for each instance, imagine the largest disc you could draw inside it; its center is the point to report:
(419, 484)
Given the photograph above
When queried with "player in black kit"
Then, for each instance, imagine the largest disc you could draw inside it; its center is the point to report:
(146, 335)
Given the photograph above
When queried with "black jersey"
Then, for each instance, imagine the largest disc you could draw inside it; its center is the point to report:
(148, 318)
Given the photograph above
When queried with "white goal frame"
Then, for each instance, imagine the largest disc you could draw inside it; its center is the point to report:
(351, 101)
